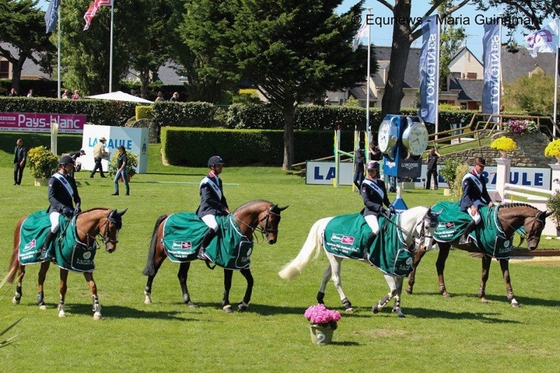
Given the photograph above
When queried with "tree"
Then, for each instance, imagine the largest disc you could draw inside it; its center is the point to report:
(23, 28)
(533, 94)
(405, 33)
(295, 51)
(451, 39)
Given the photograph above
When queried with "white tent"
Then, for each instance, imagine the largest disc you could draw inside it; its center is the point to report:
(120, 96)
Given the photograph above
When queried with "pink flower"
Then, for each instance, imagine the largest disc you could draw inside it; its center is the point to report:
(319, 314)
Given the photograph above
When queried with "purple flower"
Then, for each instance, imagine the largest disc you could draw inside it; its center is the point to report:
(319, 314)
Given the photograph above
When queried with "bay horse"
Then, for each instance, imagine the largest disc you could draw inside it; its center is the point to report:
(512, 216)
(416, 225)
(88, 226)
(253, 216)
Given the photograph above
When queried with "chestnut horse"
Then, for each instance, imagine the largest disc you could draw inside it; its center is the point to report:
(259, 215)
(512, 216)
(88, 225)
(417, 226)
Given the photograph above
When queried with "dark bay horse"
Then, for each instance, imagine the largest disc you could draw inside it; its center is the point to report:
(512, 216)
(417, 226)
(259, 215)
(88, 226)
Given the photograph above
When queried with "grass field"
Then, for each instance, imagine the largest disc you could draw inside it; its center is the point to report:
(438, 335)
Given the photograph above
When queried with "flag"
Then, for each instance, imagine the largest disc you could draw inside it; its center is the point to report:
(51, 15)
(362, 33)
(544, 40)
(429, 69)
(491, 44)
(92, 10)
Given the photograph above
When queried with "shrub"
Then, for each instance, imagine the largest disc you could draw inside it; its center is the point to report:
(130, 167)
(42, 162)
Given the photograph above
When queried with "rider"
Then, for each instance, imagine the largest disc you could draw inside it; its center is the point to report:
(374, 195)
(212, 202)
(475, 195)
(62, 190)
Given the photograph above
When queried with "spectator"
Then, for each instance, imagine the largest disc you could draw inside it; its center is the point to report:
(20, 157)
(431, 160)
(30, 93)
(359, 168)
(66, 94)
(175, 97)
(99, 153)
(160, 96)
(13, 93)
(76, 95)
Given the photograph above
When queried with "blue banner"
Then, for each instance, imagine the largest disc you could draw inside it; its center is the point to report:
(429, 70)
(491, 43)
(51, 15)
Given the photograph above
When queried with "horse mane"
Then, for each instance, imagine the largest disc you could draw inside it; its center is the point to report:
(250, 203)
(96, 208)
(517, 204)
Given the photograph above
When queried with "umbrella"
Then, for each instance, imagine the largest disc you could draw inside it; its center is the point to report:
(120, 96)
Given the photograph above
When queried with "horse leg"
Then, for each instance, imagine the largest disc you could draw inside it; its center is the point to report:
(226, 306)
(440, 267)
(19, 292)
(158, 259)
(335, 265)
(182, 276)
(244, 305)
(504, 265)
(63, 290)
(324, 281)
(96, 307)
(41, 280)
(393, 291)
(412, 277)
(486, 261)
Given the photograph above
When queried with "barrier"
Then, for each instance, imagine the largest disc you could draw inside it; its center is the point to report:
(504, 189)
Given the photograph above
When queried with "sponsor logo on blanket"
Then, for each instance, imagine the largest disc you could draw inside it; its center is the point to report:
(346, 240)
(30, 245)
(180, 245)
(450, 224)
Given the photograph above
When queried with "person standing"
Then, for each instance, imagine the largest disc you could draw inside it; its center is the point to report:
(99, 153)
(431, 160)
(13, 93)
(212, 202)
(76, 95)
(175, 97)
(20, 158)
(30, 93)
(66, 94)
(359, 168)
(74, 157)
(375, 196)
(122, 161)
(475, 195)
(160, 96)
(62, 194)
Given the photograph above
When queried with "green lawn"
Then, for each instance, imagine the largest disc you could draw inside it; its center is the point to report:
(438, 335)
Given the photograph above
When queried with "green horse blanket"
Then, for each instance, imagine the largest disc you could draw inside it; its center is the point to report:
(70, 254)
(346, 236)
(183, 233)
(488, 235)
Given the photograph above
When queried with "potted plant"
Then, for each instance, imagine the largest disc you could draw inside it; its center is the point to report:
(323, 322)
(553, 204)
(504, 144)
(42, 164)
(130, 167)
(449, 175)
(553, 150)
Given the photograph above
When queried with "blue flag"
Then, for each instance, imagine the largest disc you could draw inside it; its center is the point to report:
(51, 15)
(491, 44)
(429, 69)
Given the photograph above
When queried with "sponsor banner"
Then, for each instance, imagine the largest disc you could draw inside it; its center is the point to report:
(429, 74)
(325, 173)
(39, 122)
(491, 43)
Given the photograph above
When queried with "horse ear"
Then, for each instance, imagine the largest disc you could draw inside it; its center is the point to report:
(122, 213)
(548, 213)
(283, 208)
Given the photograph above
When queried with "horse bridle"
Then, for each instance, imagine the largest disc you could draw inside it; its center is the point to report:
(417, 239)
(266, 230)
(105, 237)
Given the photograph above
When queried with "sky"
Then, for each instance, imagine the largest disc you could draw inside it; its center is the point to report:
(467, 16)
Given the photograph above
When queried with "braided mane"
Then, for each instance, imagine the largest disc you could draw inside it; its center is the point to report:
(96, 208)
(517, 204)
(250, 203)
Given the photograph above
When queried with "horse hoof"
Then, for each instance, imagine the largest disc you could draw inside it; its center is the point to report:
(483, 300)
(97, 316)
(191, 305)
(514, 303)
(42, 307)
(408, 291)
(227, 309)
(375, 310)
(61, 314)
(350, 310)
(15, 300)
(148, 300)
(401, 315)
(242, 307)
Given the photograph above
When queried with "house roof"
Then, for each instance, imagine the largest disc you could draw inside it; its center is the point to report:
(412, 72)
(360, 92)
(520, 63)
(29, 70)
(469, 89)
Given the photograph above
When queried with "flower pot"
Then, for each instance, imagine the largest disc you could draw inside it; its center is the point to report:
(503, 154)
(321, 335)
(41, 181)
(446, 192)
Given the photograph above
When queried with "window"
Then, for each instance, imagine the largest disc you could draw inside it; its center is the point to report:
(4, 69)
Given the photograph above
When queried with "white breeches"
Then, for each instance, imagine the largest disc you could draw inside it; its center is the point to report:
(210, 221)
(371, 220)
(53, 216)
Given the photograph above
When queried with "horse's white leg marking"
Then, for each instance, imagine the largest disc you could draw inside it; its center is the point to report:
(61, 310)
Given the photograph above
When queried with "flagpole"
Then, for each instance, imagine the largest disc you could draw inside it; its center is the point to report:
(368, 129)
(554, 120)
(59, 84)
(437, 80)
(499, 119)
(111, 50)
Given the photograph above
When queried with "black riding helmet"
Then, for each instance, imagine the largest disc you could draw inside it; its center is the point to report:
(66, 160)
(214, 160)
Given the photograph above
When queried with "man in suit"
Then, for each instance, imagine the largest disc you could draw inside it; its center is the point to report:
(20, 157)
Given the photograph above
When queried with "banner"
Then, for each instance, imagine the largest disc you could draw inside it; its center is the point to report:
(429, 70)
(92, 10)
(491, 44)
(38, 122)
(51, 15)
(362, 33)
(544, 40)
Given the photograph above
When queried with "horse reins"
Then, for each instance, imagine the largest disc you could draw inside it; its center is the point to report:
(421, 237)
(105, 228)
(264, 231)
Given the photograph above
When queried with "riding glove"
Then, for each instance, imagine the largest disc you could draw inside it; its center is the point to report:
(67, 212)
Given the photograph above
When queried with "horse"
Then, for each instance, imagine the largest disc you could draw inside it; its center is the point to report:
(88, 226)
(253, 216)
(512, 217)
(416, 226)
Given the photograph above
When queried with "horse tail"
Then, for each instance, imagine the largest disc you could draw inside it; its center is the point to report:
(14, 261)
(150, 269)
(311, 246)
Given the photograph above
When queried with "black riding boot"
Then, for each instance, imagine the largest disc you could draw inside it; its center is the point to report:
(465, 237)
(208, 236)
(370, 239)
(45, 252)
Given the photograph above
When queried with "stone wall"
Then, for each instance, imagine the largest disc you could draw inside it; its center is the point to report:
(529, 153)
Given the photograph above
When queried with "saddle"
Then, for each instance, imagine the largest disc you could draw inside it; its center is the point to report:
(183, 233)
(346, 236)
(488, 235)
(70, 253)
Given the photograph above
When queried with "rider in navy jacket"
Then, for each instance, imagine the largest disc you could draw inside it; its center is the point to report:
(374, 194)
(212, 202)
(475, 195)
